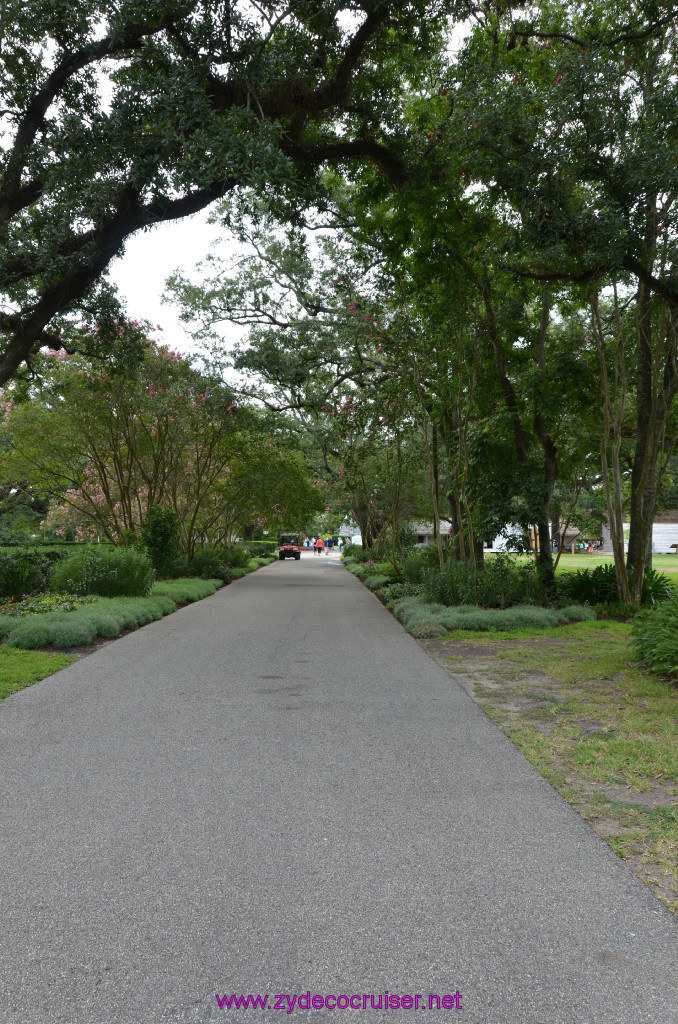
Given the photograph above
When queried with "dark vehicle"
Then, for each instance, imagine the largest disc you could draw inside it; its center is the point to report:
(288, 546)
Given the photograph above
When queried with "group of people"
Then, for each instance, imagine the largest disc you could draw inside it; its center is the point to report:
(320, 544)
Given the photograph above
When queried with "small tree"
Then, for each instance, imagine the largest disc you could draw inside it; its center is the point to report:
(161, 538)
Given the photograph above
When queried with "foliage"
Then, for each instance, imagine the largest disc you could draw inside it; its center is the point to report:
(356, 554)
(161, 538)
(236, 557)
(103, 617)
(654, 638)
(376, 582)
(106, 571)
(598, 585)
(23, 571)
(46, 603)
(501, 581)
(417, 616)
(187, 589)
(128, 115)
(109, 447)
(206, 562)
(260, 547)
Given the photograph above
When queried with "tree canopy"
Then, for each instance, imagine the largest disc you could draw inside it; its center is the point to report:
(118, 116)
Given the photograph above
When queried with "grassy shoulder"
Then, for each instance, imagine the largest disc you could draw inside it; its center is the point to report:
(600, 729)
(22, 668)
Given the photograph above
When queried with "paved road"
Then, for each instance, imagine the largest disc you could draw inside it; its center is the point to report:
(278, 791)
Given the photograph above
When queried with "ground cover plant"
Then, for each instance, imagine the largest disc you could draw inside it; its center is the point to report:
(104, 617)
(603, 731)
(425, 619)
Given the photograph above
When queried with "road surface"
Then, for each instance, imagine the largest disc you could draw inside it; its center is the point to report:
(276, 792)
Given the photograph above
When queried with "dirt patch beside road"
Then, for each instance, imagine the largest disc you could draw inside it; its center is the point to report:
(601, 730)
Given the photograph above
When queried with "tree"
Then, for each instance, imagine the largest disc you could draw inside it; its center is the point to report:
(565, 124)
(118, 116)
(107, 447)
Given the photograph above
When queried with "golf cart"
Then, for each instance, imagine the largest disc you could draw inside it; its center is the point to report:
(288, 546)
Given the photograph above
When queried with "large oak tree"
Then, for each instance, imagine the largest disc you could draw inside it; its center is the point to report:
(120, 114)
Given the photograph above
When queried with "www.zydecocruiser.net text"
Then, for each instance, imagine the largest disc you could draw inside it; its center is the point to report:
(364, 1001)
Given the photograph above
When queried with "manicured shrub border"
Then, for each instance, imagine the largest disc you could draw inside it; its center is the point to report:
(427, 620)
(107, 617)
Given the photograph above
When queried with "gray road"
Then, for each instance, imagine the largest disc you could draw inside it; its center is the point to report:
(277, 791)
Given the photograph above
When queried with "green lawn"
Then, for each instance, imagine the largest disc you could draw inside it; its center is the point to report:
(21, 668)
(569, 562)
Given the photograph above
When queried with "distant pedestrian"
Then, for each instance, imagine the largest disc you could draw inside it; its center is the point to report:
(313, 544)
(330, 545)
(319, 545)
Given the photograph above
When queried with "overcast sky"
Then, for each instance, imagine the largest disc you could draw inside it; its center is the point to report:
(149, 259)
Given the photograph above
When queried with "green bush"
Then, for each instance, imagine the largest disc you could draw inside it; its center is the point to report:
(579, 613)
(104, 617)
(31, 633)
(161, 538)
(360, 554)
(598, 585)
(236, 557)
(396, 591)
(237, 574)
(427, 630)
(500, 582)
(23, 571)
(416, 614)
(186, 590)
(654, 638)
(7, 624)
(106, 571)
(206, 562)
(261, 547)
(377, 581)
(414, 567)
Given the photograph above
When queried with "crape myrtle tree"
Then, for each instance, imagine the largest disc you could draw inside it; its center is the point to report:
(105, 447)
(118, 116)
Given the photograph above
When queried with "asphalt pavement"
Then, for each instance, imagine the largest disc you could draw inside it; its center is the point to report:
(276, 792)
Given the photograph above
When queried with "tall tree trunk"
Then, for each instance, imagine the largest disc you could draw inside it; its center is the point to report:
(545, 557)
(614, 403)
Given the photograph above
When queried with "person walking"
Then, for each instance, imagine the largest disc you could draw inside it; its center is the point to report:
(319, 545)
(313, 544)
(330, 545)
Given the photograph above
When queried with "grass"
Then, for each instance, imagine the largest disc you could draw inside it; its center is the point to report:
(21, 668)
(599, 728)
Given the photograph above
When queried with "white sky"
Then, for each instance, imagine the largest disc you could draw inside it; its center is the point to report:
(150, 257)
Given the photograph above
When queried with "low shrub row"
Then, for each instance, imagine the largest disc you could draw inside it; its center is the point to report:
(103, 617)
(108, 571)
(426, 620)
